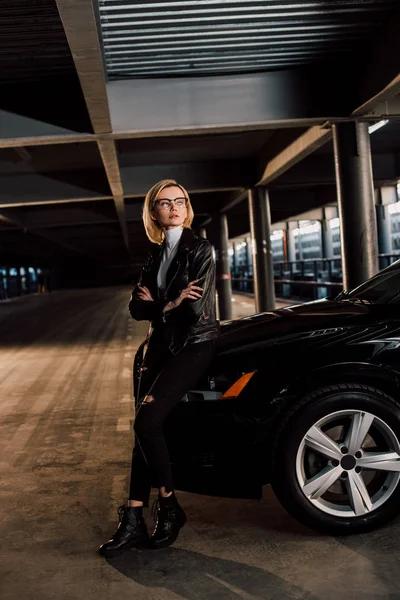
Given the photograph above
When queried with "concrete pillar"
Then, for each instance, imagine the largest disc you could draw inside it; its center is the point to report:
(224, 284)
(326, 238)
(384, 229)
(383, 197)
(291, 246)
(285, 243)
(249, 253)
(299, 241)
(355, 192)
(263, 269)
(234, 256)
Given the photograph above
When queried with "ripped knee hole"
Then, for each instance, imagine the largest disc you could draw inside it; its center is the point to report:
(148, 399)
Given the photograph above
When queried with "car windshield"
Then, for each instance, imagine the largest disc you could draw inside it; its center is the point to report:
(383, 288)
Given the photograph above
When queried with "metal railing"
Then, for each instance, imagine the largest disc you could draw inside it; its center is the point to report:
(307, 279)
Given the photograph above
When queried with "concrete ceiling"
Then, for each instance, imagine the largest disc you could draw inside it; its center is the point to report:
(80, 148)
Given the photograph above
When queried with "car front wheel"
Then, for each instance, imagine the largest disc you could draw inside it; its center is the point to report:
(336, 459)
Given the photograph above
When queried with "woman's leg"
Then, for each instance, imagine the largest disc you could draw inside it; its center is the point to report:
(132, 531)
(140, 484)
(179, 373)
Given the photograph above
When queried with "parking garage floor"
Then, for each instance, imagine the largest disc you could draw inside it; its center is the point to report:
(66, 437)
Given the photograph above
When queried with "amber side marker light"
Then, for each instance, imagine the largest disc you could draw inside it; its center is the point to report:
(237, 387)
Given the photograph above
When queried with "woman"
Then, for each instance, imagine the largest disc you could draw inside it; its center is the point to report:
(176, 293)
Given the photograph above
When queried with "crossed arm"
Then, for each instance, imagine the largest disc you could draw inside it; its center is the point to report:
(142, 305)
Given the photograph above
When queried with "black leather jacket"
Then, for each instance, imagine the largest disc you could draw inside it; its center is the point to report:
(193, 320)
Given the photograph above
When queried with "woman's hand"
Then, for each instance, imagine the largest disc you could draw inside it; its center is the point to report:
(192, 292)
(144, 293)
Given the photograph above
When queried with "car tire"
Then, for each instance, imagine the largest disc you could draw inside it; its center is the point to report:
(339, 410)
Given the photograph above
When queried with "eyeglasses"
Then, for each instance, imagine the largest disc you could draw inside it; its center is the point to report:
(166, 203)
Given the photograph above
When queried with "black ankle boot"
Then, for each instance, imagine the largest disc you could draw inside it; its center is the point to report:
(131, 532)
(170, 519)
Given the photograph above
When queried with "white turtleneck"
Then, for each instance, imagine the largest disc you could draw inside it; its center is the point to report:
(172, 237)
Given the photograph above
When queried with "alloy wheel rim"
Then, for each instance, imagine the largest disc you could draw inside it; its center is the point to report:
(348, 463)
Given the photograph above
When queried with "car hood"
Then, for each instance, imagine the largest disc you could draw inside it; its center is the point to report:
(290, 321)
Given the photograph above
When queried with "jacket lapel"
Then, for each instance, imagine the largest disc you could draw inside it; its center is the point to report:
(156, 256)
(183, 246)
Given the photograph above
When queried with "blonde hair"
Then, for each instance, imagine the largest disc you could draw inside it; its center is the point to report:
(154, 231)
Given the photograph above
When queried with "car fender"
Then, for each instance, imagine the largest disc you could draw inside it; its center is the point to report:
(380, 376)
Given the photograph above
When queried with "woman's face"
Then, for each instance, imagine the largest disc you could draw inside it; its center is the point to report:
(170, 214)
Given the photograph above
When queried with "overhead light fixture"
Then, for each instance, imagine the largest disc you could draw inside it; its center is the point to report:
(377, 125)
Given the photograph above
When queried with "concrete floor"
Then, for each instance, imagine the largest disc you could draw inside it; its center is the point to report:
(65, 443)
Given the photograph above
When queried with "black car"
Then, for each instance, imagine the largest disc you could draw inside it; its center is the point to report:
(305, 398)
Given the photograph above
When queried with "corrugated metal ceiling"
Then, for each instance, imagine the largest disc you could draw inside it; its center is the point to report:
(33, 44)
(205, 37)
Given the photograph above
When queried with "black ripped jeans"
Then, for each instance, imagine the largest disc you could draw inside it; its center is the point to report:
(166, 377)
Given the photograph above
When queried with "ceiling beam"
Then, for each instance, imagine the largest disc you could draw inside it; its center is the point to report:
(311, 140)
(80, 27)
(224, 208)
(381, 102)
(79, 24)
(319, 170)
(108, 153)
(46, 140)
(50, 140)
(63, 217)
(44, 234)
(17, 202)
(221, 178)
(58, 225)
(239, 198)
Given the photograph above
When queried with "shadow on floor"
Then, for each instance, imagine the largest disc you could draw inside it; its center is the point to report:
(196, 576)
